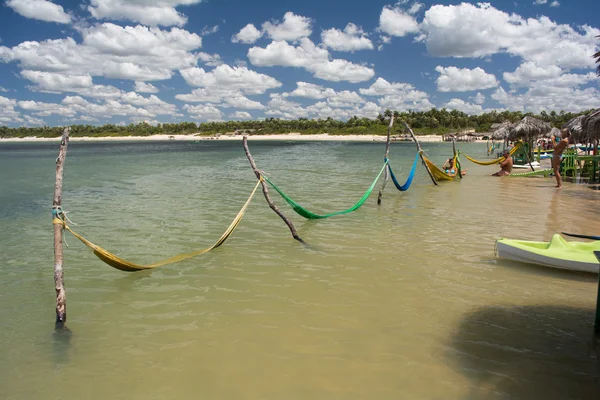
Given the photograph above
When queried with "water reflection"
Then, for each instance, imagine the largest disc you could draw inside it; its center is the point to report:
(528, 352)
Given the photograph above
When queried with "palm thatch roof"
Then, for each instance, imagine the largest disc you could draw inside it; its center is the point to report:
(502, 132)
(529, 127)
(591, 125)
(552, 132)
(574, 125)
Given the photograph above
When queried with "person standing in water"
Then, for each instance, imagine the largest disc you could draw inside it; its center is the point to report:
(559, 148)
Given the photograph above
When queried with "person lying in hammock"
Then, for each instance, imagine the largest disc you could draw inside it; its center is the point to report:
(450, 169)
(506, 165)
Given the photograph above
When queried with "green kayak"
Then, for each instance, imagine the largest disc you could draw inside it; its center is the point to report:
(558, 253)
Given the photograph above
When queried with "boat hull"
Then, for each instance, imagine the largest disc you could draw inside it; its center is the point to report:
(558, 253)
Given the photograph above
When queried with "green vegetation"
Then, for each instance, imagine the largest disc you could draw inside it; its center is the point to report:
(433, 121)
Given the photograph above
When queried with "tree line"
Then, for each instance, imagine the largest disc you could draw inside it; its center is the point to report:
(434, 121)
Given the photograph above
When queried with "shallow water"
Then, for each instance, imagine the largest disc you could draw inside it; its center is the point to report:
(402, 300)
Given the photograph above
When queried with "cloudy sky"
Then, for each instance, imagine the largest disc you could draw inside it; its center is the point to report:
(123, 61)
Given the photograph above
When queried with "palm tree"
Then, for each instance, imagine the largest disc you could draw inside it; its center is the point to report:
(597, 57)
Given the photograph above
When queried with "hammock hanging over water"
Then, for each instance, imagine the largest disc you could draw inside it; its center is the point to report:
(310, 215)
(409, 180)
(124, 265)
(441, 175)
(496, 160)
(544, 172)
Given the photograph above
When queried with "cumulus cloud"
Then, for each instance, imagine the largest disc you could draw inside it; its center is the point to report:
(398, 96)
(461, 105)
(248, 34)
(8, 114)
(542, 98)
(529, 74)
(468, 30)
(54, 82)
(478, 98)
(351, 39)
(111, 51)
(394, 21)
(292, 28)
(212, 60)
(144, 87)
(240, 115)
(147, 12)
(310, 57)
(454, 79)
(341, 99)
(42, 10)
(231, 78)
(204, 112)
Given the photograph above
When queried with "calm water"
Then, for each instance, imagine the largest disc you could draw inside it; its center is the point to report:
(404, 300)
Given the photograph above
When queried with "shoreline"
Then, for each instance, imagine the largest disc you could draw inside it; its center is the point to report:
(192, 137)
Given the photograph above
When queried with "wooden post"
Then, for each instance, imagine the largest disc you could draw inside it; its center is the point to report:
(597, 319)
(387, 154)
(420, 151)
(59, 285)
(266, 193)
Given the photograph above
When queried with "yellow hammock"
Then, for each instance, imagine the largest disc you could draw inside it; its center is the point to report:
(124, 265)
(437, 172)
(496, 160)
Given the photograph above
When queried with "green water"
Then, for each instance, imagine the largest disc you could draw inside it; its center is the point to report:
(402, 300)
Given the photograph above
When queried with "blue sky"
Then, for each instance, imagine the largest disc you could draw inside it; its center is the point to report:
(124, 61)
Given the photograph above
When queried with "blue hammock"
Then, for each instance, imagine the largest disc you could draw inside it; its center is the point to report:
(411, 175)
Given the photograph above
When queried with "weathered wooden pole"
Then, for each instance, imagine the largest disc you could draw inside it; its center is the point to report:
(266, 192)
(387, 154)
(597, 320)
(420, 151)
(57, 213)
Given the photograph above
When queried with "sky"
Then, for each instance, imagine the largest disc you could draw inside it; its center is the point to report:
(162, 61)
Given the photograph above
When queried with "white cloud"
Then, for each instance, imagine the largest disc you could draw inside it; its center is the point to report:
(478, 99)
(111, 51)
(240, 115)
(144, 87)
(310, 57)
(53, 82)
(547, 98)
(310, 90)
(461, 105)
(248, 34)
(204, 112)
(292, 28)
(415, 8)
(147, 12)
(396, 22)
(555, 3)
(152, 103)
(468, 30)
(42, 10)
(381, 87)
(241, 101)
(212, 60)
(46, 109)
(398, 96)
(209, 30)
(538, 2)
(351, 39)
(232, 78)
(29, 120)
(8, 114)
(454, 79)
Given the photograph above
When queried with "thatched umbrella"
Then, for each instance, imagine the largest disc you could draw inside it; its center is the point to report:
(574, 125)
(502, 132)
(529, 127)
(553, 132)
(591, 125)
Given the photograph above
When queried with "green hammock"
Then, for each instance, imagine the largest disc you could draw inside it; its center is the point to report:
(310, 215)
